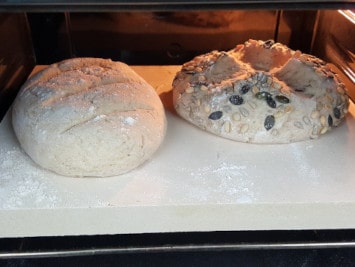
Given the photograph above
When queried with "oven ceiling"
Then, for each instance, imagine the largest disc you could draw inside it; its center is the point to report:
(146, 5)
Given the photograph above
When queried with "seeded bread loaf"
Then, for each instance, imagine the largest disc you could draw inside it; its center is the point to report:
(260, 92)
(88, 117)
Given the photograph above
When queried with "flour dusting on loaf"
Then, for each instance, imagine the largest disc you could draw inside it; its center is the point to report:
(88, 117)
(260, 92)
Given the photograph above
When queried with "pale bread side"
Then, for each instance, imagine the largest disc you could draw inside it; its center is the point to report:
(88, 117)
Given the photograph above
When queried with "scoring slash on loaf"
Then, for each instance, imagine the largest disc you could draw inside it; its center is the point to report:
(260, 92)
(88, 117)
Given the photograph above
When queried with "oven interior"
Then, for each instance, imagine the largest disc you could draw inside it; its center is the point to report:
(163, 35)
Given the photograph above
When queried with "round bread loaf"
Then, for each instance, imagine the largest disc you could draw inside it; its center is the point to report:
(88, 117)
(260, 92)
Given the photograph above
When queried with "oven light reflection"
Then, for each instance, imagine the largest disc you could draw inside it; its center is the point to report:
(350, 73)
(349, 14)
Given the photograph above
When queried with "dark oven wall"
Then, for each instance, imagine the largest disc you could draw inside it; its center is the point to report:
(334, 42)
(162, 38)
(16, 56)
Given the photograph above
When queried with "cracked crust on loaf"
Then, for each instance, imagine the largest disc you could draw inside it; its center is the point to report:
(260, 92)
(88, 117)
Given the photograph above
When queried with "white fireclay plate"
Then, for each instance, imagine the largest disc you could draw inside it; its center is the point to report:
(195, 182)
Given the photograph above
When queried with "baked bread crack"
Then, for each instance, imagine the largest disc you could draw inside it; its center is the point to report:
(260, 92)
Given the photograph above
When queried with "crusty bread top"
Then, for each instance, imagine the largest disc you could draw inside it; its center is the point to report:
(260, 92)
(88, 117)
(70, 77)
(82, 84)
